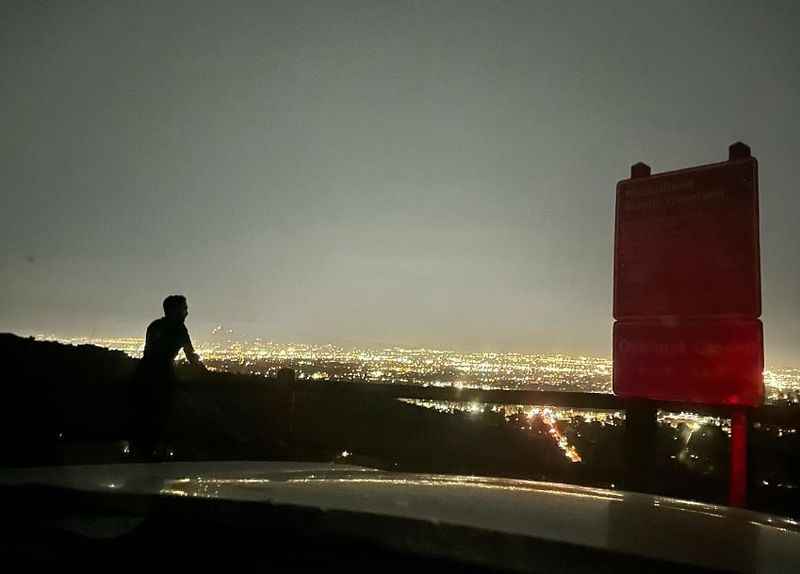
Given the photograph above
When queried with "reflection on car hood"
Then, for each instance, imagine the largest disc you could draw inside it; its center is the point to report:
(636, 524)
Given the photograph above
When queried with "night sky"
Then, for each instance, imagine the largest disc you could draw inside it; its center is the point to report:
(413, 173)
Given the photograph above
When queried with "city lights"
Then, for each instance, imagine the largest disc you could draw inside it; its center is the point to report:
(420, 366)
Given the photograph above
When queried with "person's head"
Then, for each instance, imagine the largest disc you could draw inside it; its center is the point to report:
(176, 308)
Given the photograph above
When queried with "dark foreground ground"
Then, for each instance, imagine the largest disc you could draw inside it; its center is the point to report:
(71, 405)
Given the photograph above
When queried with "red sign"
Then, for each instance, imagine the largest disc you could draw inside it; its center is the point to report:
(701, 361)
(687, 284)
(686, 243)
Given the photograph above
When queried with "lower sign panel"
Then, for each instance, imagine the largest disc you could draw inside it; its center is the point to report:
(718, 362)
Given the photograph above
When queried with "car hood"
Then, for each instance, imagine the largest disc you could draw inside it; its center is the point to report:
(635, 524)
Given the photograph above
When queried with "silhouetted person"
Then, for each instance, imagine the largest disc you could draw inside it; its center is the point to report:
(154, 387)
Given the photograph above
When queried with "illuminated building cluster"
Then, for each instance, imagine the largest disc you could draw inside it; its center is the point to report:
(552, 417)
(434, 367)
(782, 385)
(394, 365)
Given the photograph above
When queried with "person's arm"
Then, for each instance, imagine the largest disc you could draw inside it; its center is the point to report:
(191, 355)
(150, 338)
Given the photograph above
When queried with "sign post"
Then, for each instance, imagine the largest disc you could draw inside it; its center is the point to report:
(740, 422)
(687, 292)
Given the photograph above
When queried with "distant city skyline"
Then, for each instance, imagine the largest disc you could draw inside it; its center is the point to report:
(422, 174)
(223, 335)
(560, 371)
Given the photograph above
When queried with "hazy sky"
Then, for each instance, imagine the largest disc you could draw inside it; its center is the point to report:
(418, 173)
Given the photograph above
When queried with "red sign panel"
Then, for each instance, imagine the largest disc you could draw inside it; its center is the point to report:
(686, 243)
(711, 362)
